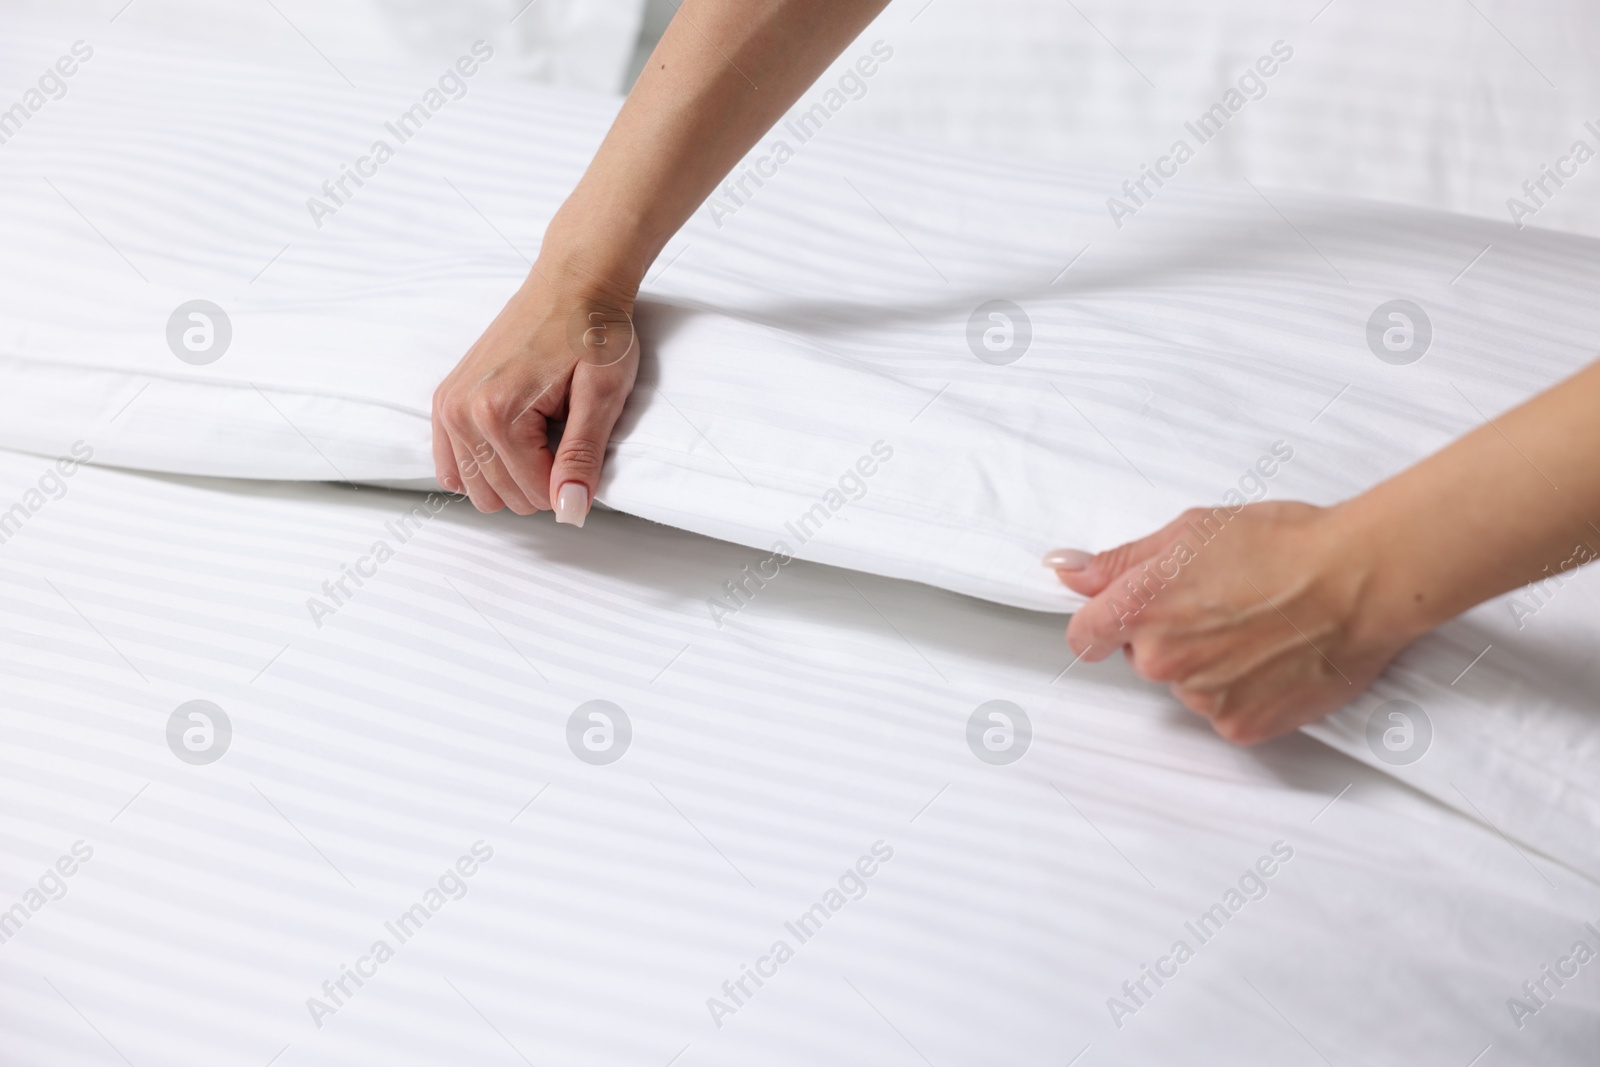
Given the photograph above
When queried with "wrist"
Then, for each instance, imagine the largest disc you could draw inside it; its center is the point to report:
(597, 249)
(1395, 598)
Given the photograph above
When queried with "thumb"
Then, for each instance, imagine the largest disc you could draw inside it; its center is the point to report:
(1089, 574)
(593, 406)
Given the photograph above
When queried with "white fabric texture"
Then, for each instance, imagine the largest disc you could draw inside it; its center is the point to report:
(430, 712)
(1217, 343)
(582, 44)
(1439, 103)
(836, 307)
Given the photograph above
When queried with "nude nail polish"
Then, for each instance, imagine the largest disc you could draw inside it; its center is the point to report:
(572, 504)
(1068, 559)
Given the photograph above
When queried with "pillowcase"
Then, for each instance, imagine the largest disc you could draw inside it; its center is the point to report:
(963, 363)
(899, 360)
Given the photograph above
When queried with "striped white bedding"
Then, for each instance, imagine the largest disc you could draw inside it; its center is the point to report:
(424, 724)
(1439, 103)
(832, 308)
(826, 319)
(584, 44)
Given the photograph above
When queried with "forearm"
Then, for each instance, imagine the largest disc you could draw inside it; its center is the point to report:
(1513, 501)
(724, 73)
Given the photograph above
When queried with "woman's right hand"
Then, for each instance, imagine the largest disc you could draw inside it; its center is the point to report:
(563, 348)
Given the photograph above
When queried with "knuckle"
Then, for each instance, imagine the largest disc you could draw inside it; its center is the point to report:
(1238, 731)
(1114, 561)
(581, 455)
(1200, 701)
(1081, 637)
(1116, 626)
(444, 391)
(1093, 623)
(487, 409)
(518, 503)
(524, 431)
(608, 388)
(1156, 662)
(454, 413)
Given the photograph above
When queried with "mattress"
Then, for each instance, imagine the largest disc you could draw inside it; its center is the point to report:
(512, 798)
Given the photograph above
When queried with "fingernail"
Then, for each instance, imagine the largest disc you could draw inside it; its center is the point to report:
(572, 503)
(1068, 559)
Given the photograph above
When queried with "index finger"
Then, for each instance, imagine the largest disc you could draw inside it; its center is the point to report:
(444, 454)
(1102, 626)
(523, 445)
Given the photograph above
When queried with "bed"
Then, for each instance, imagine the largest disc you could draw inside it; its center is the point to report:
(306, 762)
(368, 755)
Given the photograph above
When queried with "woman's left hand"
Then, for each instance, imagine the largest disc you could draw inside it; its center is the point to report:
(1261, 619)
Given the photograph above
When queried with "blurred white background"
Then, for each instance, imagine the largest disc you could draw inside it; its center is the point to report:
(584, 44)
(1447, 104)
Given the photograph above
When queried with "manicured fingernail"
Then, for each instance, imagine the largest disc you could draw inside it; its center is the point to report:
(1068, 559)
(572, 503)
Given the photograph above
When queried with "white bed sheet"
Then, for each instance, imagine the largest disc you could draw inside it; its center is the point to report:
(429, 713)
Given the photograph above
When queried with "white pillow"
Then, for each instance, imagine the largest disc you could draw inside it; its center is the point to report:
(839, 305)
(816, 371)
(1432, 102)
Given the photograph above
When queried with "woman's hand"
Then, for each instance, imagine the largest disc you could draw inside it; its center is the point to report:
(1269, 617)
(1261, 619)
(562, 348)
(564, 345)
